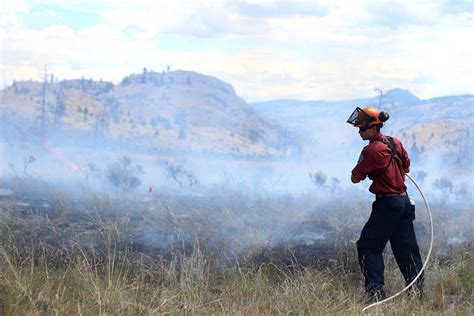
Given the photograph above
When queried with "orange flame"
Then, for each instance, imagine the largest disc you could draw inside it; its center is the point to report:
(59, 154)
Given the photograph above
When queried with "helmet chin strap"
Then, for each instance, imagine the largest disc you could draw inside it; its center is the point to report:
(427, 256)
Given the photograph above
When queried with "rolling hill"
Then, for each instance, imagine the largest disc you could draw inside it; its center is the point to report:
(167, 112)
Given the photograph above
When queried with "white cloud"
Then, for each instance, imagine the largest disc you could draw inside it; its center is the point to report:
(343, 50)
(10, 12)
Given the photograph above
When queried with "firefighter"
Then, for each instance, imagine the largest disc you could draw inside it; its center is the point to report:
(385, 162)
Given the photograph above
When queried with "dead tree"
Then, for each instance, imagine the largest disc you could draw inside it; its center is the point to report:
(178, 173)
(43, 99)
(175, 172)
(383, 97)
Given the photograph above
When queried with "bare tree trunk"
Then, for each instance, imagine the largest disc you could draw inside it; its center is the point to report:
(43, 97)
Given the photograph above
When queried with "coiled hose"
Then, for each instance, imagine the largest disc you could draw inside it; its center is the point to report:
(427, 256)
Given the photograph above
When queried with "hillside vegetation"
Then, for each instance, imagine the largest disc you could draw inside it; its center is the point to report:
(169, 111)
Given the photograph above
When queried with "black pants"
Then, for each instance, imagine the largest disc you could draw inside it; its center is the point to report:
(391, 219)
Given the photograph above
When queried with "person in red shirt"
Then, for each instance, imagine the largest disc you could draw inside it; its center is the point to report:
(385, 162)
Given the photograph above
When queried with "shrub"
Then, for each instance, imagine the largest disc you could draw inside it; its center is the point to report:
(122, 175)
(318, 178)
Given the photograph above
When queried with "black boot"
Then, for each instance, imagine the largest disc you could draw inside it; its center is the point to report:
(375, 293)
(416, 290)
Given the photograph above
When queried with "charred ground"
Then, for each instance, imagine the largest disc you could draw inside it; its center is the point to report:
(211, 253)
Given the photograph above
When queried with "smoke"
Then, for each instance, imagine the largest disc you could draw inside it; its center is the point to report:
(3, 160)
(234, 203)
(54, 160)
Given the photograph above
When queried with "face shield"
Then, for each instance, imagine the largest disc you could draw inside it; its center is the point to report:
(359, 118)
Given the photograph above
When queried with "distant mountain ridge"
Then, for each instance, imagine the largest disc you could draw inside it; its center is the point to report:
(440, 125)
(400, 95)
(396, 102)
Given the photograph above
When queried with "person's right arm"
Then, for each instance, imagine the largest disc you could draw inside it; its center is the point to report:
(363, 167)
(354, 179)
(405, 159)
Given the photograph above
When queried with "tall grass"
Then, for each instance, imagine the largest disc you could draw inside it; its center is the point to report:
(82, 257)
(83, 284)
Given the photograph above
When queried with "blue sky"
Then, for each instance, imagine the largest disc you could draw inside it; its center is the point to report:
(266, 49)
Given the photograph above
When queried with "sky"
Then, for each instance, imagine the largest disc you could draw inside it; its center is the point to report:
(308, 50)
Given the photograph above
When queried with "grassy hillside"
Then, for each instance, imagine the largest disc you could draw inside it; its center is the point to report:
(179, 110)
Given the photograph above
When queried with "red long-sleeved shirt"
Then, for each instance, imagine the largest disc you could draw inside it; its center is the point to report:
(375, 158)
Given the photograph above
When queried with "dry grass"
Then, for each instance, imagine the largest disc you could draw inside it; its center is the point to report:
(82, 258)
(81, 285)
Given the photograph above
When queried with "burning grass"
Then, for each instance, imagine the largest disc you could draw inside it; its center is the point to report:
(95, 254)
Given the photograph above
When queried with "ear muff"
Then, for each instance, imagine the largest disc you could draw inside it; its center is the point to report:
(384, 116)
